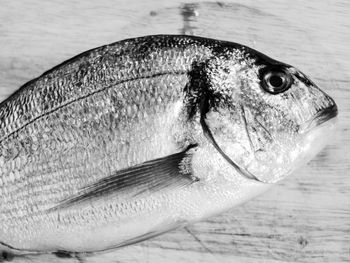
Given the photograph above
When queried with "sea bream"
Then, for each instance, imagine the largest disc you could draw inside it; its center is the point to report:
(130, 140)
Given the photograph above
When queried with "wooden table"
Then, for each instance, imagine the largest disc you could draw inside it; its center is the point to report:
(305, 218)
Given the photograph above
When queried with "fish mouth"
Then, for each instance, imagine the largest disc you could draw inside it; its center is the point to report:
(321, 117)
(325, 114)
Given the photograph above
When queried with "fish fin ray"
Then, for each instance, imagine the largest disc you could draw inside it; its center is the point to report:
(171, 171)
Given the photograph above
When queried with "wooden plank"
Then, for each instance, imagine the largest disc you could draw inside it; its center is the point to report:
(305, 218)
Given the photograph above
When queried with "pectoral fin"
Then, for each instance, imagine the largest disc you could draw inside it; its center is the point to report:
(168, 172)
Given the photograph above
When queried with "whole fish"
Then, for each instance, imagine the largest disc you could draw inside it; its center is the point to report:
(130, 140)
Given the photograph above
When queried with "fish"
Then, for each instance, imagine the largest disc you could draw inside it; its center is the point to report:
(130, 140)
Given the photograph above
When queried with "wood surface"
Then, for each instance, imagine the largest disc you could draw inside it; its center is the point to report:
(305, 218)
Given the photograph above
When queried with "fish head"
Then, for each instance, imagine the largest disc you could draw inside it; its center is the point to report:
(266, 117)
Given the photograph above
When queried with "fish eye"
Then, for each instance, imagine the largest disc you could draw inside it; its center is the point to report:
(275, 80)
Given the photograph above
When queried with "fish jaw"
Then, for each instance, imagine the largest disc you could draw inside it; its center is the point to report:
(315, 140)
(309, 144)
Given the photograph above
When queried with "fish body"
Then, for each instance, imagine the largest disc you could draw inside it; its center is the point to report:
(132, 139)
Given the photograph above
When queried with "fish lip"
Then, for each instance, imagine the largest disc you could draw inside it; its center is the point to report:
(321, 117)
(325, 114)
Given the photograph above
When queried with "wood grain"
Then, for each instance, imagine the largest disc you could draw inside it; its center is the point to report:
(305, 218)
